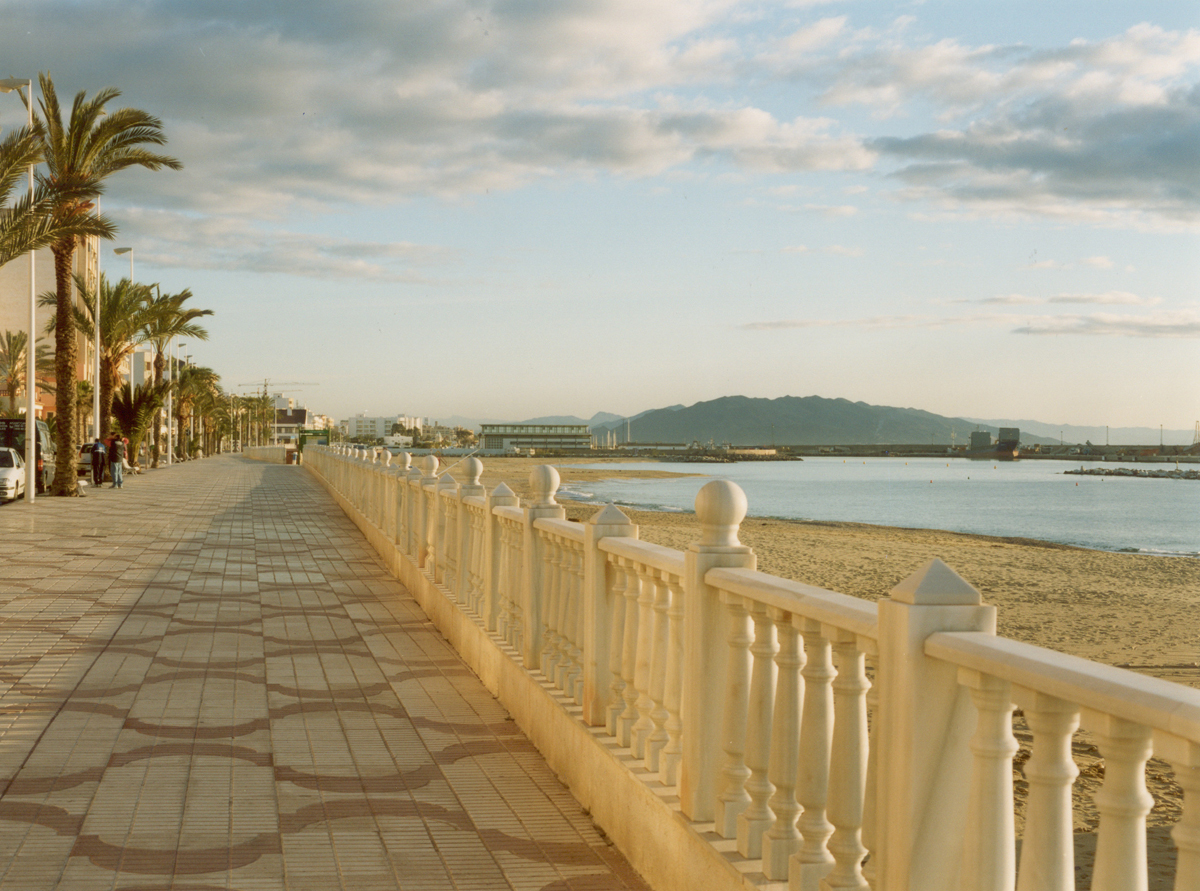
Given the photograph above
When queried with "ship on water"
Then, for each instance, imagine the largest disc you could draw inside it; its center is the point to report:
(1007, 446)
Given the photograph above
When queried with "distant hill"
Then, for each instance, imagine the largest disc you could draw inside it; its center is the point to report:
(600, 417)
(795, 420)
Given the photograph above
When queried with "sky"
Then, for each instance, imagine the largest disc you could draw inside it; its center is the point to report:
(521, 208)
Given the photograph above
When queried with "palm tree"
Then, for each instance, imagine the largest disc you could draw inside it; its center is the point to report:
(30, 223)
(168, 319)
(13, 364)
(80, 154)
(191, 384)
(125, 310)
(134, 410)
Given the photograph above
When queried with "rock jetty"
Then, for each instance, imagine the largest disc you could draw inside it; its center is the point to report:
(1137, 472)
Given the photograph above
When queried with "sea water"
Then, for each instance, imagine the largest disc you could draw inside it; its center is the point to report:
(1025, 499)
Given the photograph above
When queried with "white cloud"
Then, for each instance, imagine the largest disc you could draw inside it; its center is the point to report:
(1181, 324)
(1098, 262)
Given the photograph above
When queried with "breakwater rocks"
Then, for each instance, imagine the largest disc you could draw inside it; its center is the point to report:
(1137, 472)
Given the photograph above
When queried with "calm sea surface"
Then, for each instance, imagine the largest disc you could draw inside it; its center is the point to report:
(1030, 499)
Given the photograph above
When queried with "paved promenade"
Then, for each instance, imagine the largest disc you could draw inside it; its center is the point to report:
(209, 681)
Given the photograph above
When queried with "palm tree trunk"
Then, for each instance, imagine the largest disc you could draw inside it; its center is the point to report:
(65, 480)
(159, 363)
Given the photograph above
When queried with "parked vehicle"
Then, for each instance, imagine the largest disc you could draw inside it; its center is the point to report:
(12, 475)
(84, 465)
(12, 436)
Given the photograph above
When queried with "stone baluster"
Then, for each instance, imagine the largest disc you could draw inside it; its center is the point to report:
(847, 769)
(574, 680)
(1123, 803)
(551, 638)
(401, 468)
(1048, 845)
(444, 535)
(783, 838)
(628, 716)
(989, 854)
(562, 618)
(602, 606)
(616, 646)
(1184, 757)
(468, 535)
(733, 798)
(412, 512)
(720, 508)
(543, 483)
(424, 520)
(658, 672)
(493, 553)
(645, 655)
(816, 740)
(757, 817)
(518, 595)
(668, 759)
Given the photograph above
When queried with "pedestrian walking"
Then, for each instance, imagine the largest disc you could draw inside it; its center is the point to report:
(99, 454)
(116, 462)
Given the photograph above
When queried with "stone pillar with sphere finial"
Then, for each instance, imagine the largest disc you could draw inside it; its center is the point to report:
(472, 471)
(720, 508)
(543, 484)
(425, 517)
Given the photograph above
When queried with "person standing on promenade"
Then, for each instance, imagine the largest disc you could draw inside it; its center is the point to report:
(116, 461)
(98, 455)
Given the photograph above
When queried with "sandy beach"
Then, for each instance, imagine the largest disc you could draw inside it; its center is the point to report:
(1131, 610)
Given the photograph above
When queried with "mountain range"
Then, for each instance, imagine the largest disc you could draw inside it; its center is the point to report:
(815, 420)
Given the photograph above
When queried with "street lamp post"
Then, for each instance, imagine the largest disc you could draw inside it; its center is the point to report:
(9, 85)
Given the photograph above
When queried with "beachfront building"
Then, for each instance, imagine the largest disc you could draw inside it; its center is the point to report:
(288, 424)
(14, 310)
(536, 437)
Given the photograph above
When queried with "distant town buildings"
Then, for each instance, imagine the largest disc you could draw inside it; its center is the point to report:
(552, 437)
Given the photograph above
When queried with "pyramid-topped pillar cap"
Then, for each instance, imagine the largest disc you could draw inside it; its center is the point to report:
(543, 482)
(502, 494)
(429, 465)
(472, 470)
(611, 515)
(936, 584)
(720, 507)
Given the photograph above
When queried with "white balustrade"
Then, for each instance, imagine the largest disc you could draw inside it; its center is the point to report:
(750, 698)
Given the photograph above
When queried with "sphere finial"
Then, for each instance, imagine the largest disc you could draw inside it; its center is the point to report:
(543, 481)
(720, 507)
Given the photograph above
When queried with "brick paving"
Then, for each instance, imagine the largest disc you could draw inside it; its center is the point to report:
(210, 681)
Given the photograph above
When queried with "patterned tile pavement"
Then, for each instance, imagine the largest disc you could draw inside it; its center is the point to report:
(209, 681)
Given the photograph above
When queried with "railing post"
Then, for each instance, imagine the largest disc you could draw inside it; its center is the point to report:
(720, 507)
(926, 718)
(543, 483)
(444, 537)
(598, 611)
(400, 491)
(472, 470)
(424, 516)
(501, 496)
(412, 512)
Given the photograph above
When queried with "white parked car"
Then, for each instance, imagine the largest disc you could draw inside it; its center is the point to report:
(12, 475)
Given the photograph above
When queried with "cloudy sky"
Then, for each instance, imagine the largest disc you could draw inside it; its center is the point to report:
(528, 207)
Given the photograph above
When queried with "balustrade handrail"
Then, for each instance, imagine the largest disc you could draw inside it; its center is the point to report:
(652, 555)
(842, 611)
(1162, 705)
(564, 528)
